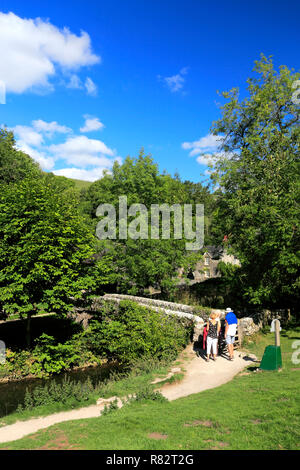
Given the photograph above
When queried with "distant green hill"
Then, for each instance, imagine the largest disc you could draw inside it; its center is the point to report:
(80, 184)
(70, 182)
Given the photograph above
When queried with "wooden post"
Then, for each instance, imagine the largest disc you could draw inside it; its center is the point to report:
(277, 333)
(272, 359)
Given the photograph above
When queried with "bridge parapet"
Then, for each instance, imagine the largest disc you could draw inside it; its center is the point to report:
(169, 308)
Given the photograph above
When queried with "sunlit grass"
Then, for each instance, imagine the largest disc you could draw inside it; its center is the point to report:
(259, 410)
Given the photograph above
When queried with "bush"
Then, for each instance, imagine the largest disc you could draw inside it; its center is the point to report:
(135, 331)
(113, 406)
(147, 394)
(51, 358)
(16, 365)
(65, 392)
(128, 334)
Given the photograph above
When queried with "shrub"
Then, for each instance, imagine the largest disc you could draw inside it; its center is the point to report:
(113, 406)
(51, 358)
(135, 331)
(127, 334)
(65, 392)
(147, 394)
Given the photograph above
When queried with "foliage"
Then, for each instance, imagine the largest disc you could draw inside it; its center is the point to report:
(134, 331)
(14, 164)
(47, 358)
(147, 394)
(258, 173)
(141, 263)
(128, 334)
(263, 415)
(67, 391)
(17, 364)
(44, 249)
(51, 358)
(112, 381)
(113, 406)
(143, 395)
(199, 194)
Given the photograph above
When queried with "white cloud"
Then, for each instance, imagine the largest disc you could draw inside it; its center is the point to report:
(28, 135)
(91, 87)
(175, 82)
(34, 50)
(45, 161)
(50, 128)
(74, 82)
(207, 148)
(88, 158)
(81, 174)
(82, 151)
(91, 124)
(204, 144)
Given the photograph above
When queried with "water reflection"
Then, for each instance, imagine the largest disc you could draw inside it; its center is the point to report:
(13, 393)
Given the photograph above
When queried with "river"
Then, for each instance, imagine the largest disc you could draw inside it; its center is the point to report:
(12, 393)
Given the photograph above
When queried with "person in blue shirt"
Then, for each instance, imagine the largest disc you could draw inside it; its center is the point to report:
(230, 331)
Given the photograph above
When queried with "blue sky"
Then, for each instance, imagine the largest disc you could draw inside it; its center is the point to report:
(129, 74)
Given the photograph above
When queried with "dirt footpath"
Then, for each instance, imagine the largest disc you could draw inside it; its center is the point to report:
(199, 376)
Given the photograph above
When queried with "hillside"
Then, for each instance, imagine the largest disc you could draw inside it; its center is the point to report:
(81, 184)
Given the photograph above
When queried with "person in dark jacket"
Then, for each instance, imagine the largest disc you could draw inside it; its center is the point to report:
(213, 329)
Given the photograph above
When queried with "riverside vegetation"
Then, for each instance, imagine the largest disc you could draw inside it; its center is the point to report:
(264, 414)
(121, 333)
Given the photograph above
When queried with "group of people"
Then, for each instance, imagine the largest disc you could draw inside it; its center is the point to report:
(213, 329)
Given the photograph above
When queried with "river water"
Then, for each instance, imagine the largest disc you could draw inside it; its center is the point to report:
(12, 393)
(13, 334)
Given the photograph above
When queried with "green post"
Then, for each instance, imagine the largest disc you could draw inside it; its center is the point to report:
(272, 356)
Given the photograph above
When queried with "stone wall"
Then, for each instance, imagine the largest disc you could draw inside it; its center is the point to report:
(249, 324)
(170, 308)
(247, 327)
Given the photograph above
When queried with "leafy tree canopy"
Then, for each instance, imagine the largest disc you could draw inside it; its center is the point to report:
(258, 175)
(45, 248)
(143, 263)
(14, 164)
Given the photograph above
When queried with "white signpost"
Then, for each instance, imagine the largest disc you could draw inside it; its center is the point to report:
(276, 328)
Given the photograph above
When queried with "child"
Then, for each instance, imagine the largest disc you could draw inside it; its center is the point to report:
(213, 329)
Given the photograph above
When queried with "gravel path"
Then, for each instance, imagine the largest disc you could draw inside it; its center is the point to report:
(199, 376)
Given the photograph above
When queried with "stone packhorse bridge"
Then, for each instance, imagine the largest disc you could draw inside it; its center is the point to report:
(169, 308)
(198, 315)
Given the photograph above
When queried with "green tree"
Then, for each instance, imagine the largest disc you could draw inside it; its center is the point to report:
(258, 175)
(14, 164)
(142, 263)
(199, 194)
(45, 250)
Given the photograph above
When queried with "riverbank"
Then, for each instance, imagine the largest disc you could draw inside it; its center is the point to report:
(252, 411)
(117, 382)
(198, 376)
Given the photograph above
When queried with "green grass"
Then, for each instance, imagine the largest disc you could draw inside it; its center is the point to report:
(259, 410)
(116, 385)
(80, 184)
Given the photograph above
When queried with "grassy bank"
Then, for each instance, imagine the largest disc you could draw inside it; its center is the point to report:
(256, 410)
(118, 384)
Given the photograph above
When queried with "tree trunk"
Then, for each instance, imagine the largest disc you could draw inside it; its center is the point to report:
(28, 330)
